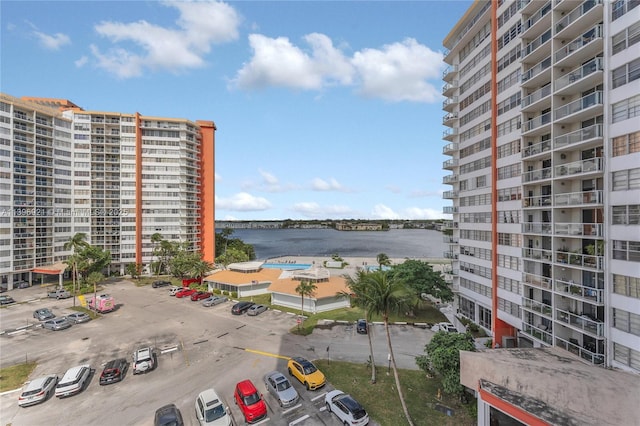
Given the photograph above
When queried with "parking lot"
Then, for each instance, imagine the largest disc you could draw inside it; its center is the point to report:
(197, 348)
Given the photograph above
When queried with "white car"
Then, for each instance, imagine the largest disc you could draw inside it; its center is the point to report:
(143, 361)
(348, 410)
(211, 410)
(447, 327)
(173, 290)
(38, 390)
(73, 381)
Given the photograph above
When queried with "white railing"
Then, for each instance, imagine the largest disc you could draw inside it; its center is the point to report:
(578, 43)
(578, 136)
(537, 228)
(536, 96)
(578, 198)
(536, 69)
(575, 14)
(577, 74)
(578, 229)
(581, 322)
(538, 121)
(579, 291)
(585, 102)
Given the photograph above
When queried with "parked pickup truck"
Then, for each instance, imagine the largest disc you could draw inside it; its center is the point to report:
(59, 294)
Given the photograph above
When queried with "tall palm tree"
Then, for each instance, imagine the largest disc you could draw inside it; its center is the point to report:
(200, 268)
(75, 244)
(385, 295)
(383, 260)
(305, 288)
(226, 233)
(155, 239)
(358, 295)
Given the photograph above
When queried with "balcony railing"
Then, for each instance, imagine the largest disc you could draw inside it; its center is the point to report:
(537, 333)
(585, 102)
(537, 254)
(452, 162)
(578, 229)
(449, 209)
(450, 255)
(579, 259)
(578, 198)
(536, 122)
(581, 352)
(575, 14)
(579, 291)
(449, 117)
(537, 228)
(588, 133)
(596, 64)
(535, 175)
(537, 148)
(537, 43)
(575, 45)
(448, 195)
(450, 147)
(539, 201)
(536, 306)
(537, 281)
(536, 96)
(579, 167)
(537, 16)
(449, 179)
(449, 133)
(581, 322)
(536, 69)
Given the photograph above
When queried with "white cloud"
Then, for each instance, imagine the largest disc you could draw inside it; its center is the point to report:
(332, 184)
(268, 178)
(393, 188)
(200, 25)
(81, 62)
(242, 201)
(313, 210)
(218, 178)
(52, 41)
(277, 62)
(398, 72)
(380, 211)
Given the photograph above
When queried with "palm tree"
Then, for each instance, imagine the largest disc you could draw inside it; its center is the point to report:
(226, 233)
(385, 295)
(155, 239)
(75, 243)
(358, 295)
(200, 268)
(383, 260)
(305, 288)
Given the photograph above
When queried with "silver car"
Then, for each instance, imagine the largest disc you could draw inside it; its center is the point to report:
(38, 390)
(280, 387)
(214, 300)
(43, 314)
(256, 310)
(78, 317)
(56, 324)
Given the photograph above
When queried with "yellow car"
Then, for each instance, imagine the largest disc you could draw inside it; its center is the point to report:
(306, 373)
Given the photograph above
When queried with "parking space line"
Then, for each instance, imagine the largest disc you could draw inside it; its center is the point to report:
(16, 332)
(298, 420)
(266, 354)
(318, 397)
(288, 410)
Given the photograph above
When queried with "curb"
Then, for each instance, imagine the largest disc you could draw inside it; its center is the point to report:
(10, 391)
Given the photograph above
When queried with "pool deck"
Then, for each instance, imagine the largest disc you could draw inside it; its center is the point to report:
(353, 262)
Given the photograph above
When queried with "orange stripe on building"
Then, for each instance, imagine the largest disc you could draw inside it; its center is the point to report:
(138, 189)
(207, 190)
(510, 409)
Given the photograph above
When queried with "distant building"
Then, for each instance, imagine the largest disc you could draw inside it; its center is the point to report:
(359, 226)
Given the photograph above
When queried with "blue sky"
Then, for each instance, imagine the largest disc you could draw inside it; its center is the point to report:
(324, 110)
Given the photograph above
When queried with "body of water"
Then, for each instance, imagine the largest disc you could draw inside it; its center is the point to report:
(395, 243)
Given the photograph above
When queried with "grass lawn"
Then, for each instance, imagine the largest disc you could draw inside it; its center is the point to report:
(381, 399)
(14, 377)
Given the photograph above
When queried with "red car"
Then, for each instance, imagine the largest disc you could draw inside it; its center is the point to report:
(250, 401)
(201, 295)
(185, 292)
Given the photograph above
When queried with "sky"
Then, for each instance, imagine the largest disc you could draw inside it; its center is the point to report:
(323, 109)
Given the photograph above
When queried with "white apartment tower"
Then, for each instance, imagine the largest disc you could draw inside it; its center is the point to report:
(117, 177)
(543, 128)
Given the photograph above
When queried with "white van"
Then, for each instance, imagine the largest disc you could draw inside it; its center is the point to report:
(73, 381)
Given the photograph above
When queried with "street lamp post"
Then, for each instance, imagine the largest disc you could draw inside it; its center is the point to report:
(252, 283)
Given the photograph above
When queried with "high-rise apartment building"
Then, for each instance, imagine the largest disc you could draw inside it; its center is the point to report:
(543, 128)
(117, 177)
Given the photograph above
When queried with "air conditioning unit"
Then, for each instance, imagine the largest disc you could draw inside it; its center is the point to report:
(563, 156)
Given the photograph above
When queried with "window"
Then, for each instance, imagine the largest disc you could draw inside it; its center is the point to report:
(626, 215)
(626, 321)
(626, 250)
(626, 286)
(623, 110)
(620, 7)
(627, 356)
(626, 73)
(626, 144)
(626, 179)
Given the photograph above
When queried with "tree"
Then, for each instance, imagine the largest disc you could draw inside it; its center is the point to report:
(358, 295)
(93, 279)
(75, 243)
(443, 358)
(386, 294)
(92, 259)
(226, 233)
(383, 260)
(421, 278)
(232, 255)
(200, 268)
(134, 269)
(305, 288)
(156, 239)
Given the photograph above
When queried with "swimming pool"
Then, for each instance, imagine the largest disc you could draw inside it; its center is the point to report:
(287, 266)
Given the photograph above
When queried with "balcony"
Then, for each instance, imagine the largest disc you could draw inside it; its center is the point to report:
(539, 307)
(578, 198)
(450, 103)
(537, 201)
(583, 323)
(534, 280)
(449, 239)
(534, 51)
(450, 163)
(537, 254)
(536, 149)
(450, 148)
(537, 228)
(450, 255)
(449, 179)
(577, 80)
(450, 73)
(585, 135)
(562, 26)
(536, 69)
(449, 210)
(580, 260)
(583, 353)
(578, 291)
(589, 44)
(536, 123)
(536, 21)
(578, 109)
(536, 96)
(449, 88)
(579, 167)
(448, 119)
(537, 333)
(579, 229)
(536, 175)
(450, 195)
(449, 134)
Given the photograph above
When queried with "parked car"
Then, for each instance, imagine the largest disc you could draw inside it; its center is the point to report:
(21, 284)
(214, 300)
(173, 290)
(56, 324)
(43, 314)
(160, 283)
(114, 371)
(241, 307)
(103, 303)
(362, 327)
(143, 361)
(185, 292)
(59, 294)
(306, 373)
(447, 327)
(169, 415)
(200, 295)
(348, 410)
(73, 381)
(78, 317)
(6, 300)
(281, 389)
(256, 310)
(250, 402)
(37, 390)
(210, 409)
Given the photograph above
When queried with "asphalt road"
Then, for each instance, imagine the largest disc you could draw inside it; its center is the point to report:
(197, 348)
